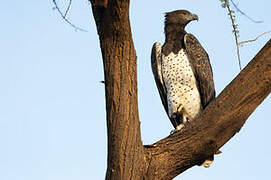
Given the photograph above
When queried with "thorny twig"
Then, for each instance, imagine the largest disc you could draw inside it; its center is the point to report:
(235, 31)
(65, 19)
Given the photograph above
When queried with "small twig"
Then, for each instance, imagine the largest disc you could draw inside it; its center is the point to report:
(235, 31)
(244, 14)
(248, 41)
(68, 8)
(66, 20)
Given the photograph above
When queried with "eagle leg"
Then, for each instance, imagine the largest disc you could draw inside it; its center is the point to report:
(179, 127)
(178, 118)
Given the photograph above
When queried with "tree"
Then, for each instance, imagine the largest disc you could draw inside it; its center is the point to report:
(128, 158)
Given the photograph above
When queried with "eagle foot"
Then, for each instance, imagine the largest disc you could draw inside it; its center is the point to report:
(178, 128)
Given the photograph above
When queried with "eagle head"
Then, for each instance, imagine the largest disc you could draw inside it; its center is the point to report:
(180, 17)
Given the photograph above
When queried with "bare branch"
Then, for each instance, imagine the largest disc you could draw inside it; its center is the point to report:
(66, 20)
(68, 8)
(244, 14)
(248, 41)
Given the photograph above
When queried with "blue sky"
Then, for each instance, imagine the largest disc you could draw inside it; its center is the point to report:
(52, 108)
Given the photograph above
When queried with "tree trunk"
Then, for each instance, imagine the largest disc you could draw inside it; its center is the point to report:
(167, 158)
(125, 150)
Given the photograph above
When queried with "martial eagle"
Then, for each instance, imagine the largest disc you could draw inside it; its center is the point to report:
(182, 70)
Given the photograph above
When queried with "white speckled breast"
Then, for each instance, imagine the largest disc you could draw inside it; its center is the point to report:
(181, 85)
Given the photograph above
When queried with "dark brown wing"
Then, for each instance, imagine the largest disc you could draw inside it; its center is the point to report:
(199, 60)
(157, 73)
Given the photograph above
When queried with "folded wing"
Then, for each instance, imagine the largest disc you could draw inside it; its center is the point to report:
(202, 68)
(157, 73)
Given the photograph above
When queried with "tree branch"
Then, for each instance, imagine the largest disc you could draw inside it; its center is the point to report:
(220, 121)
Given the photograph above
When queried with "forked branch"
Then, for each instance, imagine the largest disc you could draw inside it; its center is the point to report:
(65, 14)
(167, 158)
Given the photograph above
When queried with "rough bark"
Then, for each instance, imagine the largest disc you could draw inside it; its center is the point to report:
(167, 158)
(125, 150)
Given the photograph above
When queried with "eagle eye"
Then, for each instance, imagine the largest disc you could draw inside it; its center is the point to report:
(183, 13)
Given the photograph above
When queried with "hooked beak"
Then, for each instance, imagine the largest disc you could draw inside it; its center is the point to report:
(194, 17)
